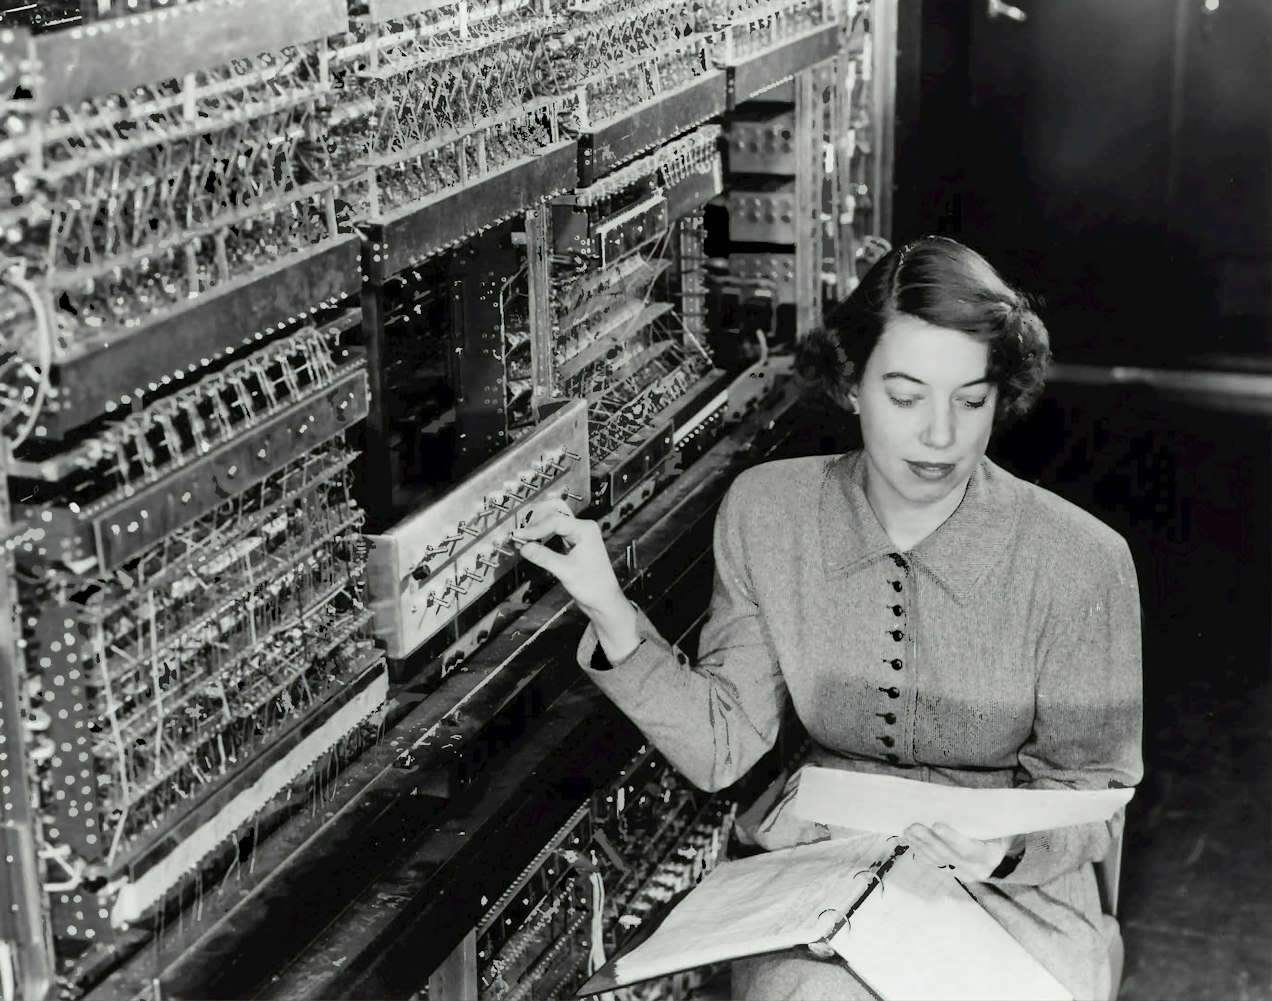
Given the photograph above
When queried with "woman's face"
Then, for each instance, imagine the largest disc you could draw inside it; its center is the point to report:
(927, 409)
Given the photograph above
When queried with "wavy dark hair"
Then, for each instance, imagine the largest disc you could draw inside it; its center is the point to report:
(948, 285)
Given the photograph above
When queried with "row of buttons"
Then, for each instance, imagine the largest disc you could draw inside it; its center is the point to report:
(895, 663)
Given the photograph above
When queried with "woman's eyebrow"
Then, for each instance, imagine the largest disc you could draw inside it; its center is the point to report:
(919, 382)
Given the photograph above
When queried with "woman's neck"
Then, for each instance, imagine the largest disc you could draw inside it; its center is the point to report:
(908, 524)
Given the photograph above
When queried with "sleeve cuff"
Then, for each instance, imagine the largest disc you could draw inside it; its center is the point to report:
(628, 681)
(600, 662)
(1008, 865)
(591, 656)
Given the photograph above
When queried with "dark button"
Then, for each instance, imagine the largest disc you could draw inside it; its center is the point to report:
(892, 759)
(891, 693)
(897, 634)
(896, 585)
(887, 717)
(898, 610)
(896, 664)
(896, 558)
(887, 741)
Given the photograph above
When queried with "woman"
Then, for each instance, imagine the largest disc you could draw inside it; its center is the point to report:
(928, 614)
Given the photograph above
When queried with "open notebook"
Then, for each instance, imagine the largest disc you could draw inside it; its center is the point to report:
(905, 928)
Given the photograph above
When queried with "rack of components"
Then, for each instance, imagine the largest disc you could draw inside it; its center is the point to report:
(624, 286)
(635, 845)
(304, 304)
(808, 205)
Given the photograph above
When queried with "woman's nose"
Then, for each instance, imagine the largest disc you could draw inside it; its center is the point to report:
(939, 431)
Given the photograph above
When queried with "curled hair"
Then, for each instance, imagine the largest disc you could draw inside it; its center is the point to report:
(942, 282)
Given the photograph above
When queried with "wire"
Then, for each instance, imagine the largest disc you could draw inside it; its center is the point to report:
(44, 328)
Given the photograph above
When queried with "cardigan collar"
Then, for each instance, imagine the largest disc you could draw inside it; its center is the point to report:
(957, 554)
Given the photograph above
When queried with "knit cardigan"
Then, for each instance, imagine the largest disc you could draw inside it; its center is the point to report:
(1001, 651)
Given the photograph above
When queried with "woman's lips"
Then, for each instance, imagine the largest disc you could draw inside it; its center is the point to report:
(931, 470)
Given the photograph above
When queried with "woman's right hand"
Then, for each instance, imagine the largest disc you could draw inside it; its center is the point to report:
(584, 570)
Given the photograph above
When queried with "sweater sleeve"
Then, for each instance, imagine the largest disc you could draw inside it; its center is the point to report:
(716, 718)
(1088, 717)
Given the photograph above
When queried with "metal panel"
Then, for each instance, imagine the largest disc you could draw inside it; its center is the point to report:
(411, 234)
(440, 560)
(16, 47)
(617, 140)
(766, 216)
(763, 146)
(620, 473)
(752, 74)
(538, 251)
(480, 275)
(128, 361)
(776, 271)
(690, 193)
(111, 56)
(626, 231)
(391, 10)
(124, 529)
(809, 144)
(883, 97)
(23, 926)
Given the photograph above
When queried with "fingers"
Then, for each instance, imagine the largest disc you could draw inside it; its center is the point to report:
(944, 847)
(957, 841)
(546, 522)
(541, 508)
(541, 556)
(928, 846)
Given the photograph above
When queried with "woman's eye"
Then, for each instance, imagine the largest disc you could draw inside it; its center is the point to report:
(975, 404)
(902, 401)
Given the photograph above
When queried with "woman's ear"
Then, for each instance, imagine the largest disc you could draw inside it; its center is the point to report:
(851, 399)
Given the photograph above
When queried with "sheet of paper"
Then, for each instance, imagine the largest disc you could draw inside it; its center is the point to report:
(764, 903)
(887, 805)
(923, 938)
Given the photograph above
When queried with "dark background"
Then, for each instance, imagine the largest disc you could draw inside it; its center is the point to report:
(1114, 159)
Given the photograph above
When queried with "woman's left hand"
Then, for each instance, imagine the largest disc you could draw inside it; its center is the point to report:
(941, 845)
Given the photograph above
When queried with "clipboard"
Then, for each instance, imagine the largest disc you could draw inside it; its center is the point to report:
(905, 928)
